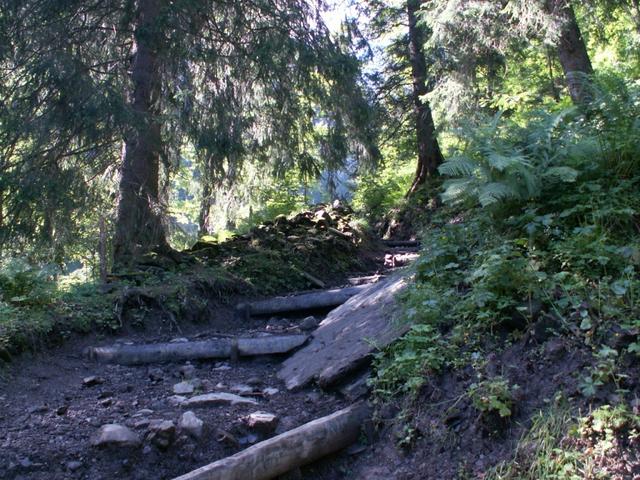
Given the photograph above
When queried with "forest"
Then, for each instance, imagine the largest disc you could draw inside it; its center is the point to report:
(410, 224)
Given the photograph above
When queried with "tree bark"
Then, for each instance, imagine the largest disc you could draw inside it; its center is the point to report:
(572, 51)
(177, 352)
(139, 227)
(205, 208)
(297, 447)
(305, 301)
(429, 154)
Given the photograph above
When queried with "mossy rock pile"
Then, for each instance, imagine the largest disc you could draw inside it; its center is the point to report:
(292, 252)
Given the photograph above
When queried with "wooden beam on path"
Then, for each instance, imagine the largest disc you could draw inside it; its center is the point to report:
(297, 447)
(365, 280)
(215, 348)
(305, 301)
(347, 338)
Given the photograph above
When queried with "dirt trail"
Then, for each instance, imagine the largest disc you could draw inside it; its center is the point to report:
(52, 404)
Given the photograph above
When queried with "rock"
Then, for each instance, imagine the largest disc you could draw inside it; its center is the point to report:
(242, 389)
(115, 435)
(189, 423)
(221, 367)
(74, 465)
(144, 423)
(183, 388)
(179, 340)
(255, 381)
(161, 433)
(176, 400)
(107, 402)
(62, 410)
(262, 422)
(309, 323)
(221, 398)
(269, 391)
(92, 381)
(143, 413)
(187, 371)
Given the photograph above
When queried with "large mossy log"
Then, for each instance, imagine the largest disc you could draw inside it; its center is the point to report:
(305, 301)
(290, 450)
(215, 348)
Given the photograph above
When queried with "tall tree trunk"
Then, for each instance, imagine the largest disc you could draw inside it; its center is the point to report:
(139, 227)
(572, 51)
(205, 208)
(429, 154)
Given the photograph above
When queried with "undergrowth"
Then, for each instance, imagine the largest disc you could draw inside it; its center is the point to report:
(540, 228)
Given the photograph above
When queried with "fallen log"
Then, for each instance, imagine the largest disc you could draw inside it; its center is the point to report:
(365, 280)
(305, 301)
(297, 447)
(215, 348)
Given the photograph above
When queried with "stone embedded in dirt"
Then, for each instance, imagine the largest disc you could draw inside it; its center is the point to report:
(309, 323)
(73, 465)
(183, 388)
(221, 367)
(241, 389)
(262, 422)
(107, 402)
(248, 439)
(115, 435)
(176, 400)
(187, 371)
(161, 433)
(221, 398)
(92, 381)
(255, 381)
(62, 410)
(191, 424)
(270, 391)
(143, 423)
(179, 340)
(143, 413)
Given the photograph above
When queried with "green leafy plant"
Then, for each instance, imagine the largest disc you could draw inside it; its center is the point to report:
(403, 367)
(604, 371)
(493, 396)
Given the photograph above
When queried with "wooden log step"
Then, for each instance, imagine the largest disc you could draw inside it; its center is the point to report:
(366, 280)
(306, 301)
(177, 352)
(297, 447)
